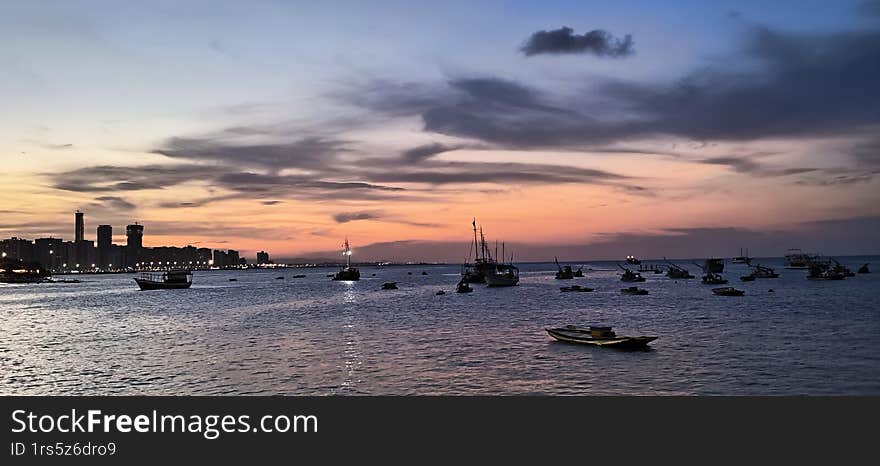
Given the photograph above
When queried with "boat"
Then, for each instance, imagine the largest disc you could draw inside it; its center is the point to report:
(824, 270)
(233, 279)
(632, 260)
(503, 275)
(579, 273)
(713, 279)
(170, 280)
(299, 276)
(764, 272)
(440, 293)
(347, 273)
(599, 336)
(677, 272)
(389, 286)
(582, 289)
(463, 287)
(62, 280)
(797, 259)
(634, 290)
(17, 271)
(728, 291)
(629, 276)
(651, 268)
(742, 259)
(864, 269)
(564, 273)
(842, 269)
(279, 278)
(476, 271)
(714, 265)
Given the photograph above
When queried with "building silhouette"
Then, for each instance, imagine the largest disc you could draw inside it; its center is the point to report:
(134, 235)
(105, 247)
(80, 227)
(262, 257)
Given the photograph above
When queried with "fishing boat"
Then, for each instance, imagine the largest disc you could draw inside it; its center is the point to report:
(728, 291)
(347, 273)
(503, 275)
(564, 273)
(713, 279)
(824, 270)
(797, 259)
(389, 286)
(578, 288)
(599, 336)
(634, 290)
(629, 276)
(764, 272)
(677, 272)
(170, 280)
(842, 269)
(463, 287)
(632, 260)
(476, 271)
(864, 269)
(742, 259)
(714, 265)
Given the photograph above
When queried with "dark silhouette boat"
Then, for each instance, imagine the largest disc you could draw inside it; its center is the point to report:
(564, 273)
(18, 271)
(677, 272)
(864, 269)
(728, 291)
(713, 279)
(634, 290)
(632, 260)
(389, 286)
(826, 270)
(463, 287)
(598, 336)
(742, 259)
(797, 259)
(483, 263)
(347, 273)
(579, 273)
(714, 265)
(169, 280)
(629, 276)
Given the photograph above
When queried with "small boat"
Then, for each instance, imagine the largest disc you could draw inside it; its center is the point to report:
(599, 336)
(797, 259)
(582, 289)
(764, 272)
(728, 291)
(170, 280)
(424, 273)
(713, 279)
(503, 275)
(742, 259)
(748, 278)
(463, 287)
(299, 276)
(233, 279)
(409, 273)
(713, 265)
(440, 293)
(279, 278)
(634, 290)
(632, 260)
(564, 273)
(347, 273)
(824, 270)
(630, 276)
(389, 286)
(677, 272)
(864, 269)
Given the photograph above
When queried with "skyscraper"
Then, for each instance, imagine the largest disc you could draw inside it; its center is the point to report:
(262, 257)
(134, 243)
(105, 244)
(80, 228)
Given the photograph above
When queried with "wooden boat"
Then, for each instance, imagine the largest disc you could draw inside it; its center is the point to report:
(634, 290)
(630, 276)
(564, 273)
(503, 275)
(347, 273)
(389, 286)
(233, 279)
(677, 272)
(483, 263)
(728, 291)
(764, 272)
(582, 289)
(599, 336)
(823, 270)
(279, 278)
(713, 279)
(864, 269)
(170, 280)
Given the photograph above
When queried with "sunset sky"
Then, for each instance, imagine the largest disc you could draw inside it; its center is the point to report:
(287, 126)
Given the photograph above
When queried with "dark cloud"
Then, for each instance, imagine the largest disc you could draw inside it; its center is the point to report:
(345, 217)
(565, 41)
(795, 85)
(312, 152)
(417, 154)
(270, 202)
(114, 203)
(433, 172)
(107, 178)
(748, 165)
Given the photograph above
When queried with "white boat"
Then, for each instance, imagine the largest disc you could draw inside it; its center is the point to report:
(599, 336)
(797, 259)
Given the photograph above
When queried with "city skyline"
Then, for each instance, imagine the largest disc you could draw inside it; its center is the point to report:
(586, 127)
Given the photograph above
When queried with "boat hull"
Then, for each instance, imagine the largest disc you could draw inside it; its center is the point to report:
(584, 338)
(151, 285)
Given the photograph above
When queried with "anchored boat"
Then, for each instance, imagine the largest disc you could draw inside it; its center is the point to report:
(797, 259)
(742, 259)
(564, 273)
(347, 273)
(582, 289)
(634, 290)
(728, 291)
(170, 280)
(599, 336)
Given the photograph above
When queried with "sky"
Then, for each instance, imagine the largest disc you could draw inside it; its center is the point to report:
(587, 128)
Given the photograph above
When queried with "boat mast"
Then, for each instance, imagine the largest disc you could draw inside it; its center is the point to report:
(347, 253)
(476, 253)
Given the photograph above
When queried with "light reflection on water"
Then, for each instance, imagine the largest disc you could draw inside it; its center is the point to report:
(259, 335)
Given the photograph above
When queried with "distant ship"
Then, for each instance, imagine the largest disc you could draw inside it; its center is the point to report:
(483, 264)
(633, 260)
(714, 265)
(742, 259)
(170, 280)
(347, 273)
(797, 259)
(503, 274)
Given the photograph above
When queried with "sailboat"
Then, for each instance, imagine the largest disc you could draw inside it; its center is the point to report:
(483, 262)
(742, 259)
(347, 273)
(503, 274)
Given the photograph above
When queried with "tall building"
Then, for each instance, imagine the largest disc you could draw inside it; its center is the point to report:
(220, 258)
(105, 245)
(50, 253)
(262, 257)
(80, 228)
(134, 243)
(232, 258)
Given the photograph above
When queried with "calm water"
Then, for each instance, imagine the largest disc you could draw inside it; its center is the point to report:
(260, 335)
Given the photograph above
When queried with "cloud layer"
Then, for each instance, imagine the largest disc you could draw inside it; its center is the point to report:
(565, 41)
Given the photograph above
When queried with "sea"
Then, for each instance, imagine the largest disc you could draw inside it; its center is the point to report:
(261, 335)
